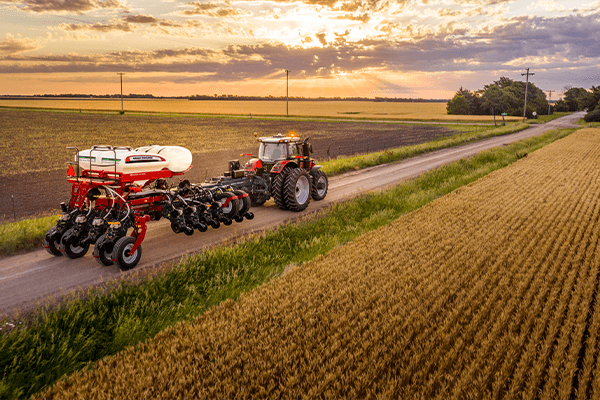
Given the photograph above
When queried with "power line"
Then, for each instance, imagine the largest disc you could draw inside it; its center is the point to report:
(549, 99)
(287, 97)
(526, 84)
(121, 73)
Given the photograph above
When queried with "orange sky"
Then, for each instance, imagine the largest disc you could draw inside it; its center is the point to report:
(345, 48)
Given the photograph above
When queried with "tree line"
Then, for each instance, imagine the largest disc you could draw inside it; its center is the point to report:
(580, 99)
(508, 96)
(502, 96)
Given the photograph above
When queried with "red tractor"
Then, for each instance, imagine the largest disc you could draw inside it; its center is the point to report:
(283, 170)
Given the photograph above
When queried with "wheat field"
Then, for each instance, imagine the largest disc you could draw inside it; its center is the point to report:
(488, 292)
(338, 109)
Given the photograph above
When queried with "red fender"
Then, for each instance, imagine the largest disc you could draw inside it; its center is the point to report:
(277, 168)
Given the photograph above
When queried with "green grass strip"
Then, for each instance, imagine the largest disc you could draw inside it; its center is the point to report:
(343, 164)
(16, 237)
(27, 234)
(542, 119)
(65, 339)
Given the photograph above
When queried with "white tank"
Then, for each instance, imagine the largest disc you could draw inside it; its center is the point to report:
(143, 159)
(179, 158)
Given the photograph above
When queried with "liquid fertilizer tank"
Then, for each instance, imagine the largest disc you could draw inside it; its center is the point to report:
(130, 161)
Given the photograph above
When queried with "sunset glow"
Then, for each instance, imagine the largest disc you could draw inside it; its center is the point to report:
(345, 48)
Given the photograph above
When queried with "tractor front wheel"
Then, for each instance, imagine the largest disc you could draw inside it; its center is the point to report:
(297, 189)
(122, 253)
(319, 186)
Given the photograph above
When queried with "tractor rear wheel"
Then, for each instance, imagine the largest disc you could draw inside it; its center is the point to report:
(277, 183)
(297, 190)
(319, 186)
(122, 253)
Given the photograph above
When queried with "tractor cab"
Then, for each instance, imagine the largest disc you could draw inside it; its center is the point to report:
(278, 149)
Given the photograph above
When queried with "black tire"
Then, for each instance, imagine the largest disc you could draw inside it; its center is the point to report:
(277, 183)
(231, 209)
(73, 248)
(121, 253)
(103, 251)
(243, 202)
(257, 201)
(319, 177)
(296, 190)
(51, 243)
(202, 227)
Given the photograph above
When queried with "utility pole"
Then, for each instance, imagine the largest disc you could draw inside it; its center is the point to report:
(526, 84)
(121, 73)
(550, 98)
(287, 96)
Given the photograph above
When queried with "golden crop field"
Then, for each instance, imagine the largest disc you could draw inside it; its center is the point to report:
(346, 109)
(488, 292)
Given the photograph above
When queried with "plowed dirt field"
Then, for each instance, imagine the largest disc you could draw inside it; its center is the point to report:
(34, 153)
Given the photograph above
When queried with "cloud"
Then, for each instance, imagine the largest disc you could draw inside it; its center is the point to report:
(547, 43)
(10, 45)
(125, 24)
(60, 6)
(140, 19)
(321, 38)
(365, 17)
(99, 27)
(213, 10)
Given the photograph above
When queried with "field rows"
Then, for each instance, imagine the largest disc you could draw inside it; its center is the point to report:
(36, 141)
(337, 109)
(489, 292)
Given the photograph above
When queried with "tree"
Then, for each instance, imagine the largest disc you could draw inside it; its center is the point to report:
(561, 106)
(494, 100)
(593, 116)
(595, 91)
(473, 99)
(505, 94)
(458, 105)
(578, 99)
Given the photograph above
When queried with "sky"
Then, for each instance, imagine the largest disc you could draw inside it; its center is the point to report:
(331, 48)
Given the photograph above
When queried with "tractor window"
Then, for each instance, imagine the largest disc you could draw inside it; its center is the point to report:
(295, 150)
(272, 151)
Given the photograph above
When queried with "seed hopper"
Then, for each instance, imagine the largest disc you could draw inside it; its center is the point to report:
(116, 190)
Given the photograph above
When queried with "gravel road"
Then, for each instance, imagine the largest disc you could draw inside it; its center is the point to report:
(31, 277)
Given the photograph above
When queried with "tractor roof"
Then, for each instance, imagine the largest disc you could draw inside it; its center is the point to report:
(279, 138)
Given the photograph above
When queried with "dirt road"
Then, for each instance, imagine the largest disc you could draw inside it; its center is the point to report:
(27, 278)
